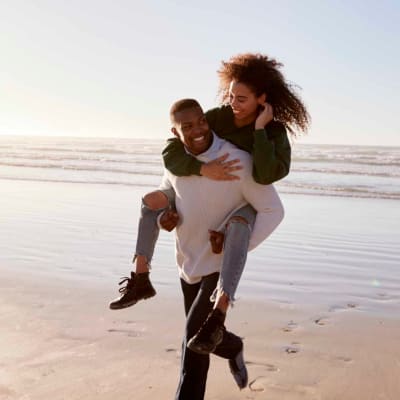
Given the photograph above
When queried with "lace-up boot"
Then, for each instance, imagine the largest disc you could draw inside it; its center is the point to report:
(210, 334)
(138, 287)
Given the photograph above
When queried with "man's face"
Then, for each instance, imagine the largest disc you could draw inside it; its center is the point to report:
(192, 129)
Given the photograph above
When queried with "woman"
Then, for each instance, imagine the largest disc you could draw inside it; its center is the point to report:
(259, 107)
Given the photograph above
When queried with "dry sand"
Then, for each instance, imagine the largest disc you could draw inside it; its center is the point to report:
(59, 341)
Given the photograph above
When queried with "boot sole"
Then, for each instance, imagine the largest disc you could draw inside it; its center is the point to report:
(131, 303)
(199, 349)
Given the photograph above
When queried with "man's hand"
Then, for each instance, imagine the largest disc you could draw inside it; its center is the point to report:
(220, 170)
(265, 116)
(169, 220)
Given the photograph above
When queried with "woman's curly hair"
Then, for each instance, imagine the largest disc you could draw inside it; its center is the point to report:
(262, 75)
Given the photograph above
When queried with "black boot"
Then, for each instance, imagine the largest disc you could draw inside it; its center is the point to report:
(210, 334)
(138, 287)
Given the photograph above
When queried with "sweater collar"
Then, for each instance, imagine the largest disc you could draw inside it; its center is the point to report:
(212, 151)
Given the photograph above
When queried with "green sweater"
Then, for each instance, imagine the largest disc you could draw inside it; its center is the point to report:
(269, 147)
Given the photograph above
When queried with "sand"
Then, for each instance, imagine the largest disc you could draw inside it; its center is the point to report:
(59, 341)
(315, 334)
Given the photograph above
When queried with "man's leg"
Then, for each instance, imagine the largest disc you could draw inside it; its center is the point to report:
(138, 286)
(194, 366)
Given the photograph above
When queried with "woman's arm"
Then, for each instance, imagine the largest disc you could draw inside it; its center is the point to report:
(180, 163)
(271, 153)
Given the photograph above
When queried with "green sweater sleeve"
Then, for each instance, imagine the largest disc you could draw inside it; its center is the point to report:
(177, 161)
(271, 154)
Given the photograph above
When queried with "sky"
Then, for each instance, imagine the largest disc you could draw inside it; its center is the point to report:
(113, 68)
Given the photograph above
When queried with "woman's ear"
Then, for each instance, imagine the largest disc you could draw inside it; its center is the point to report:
(262, 99)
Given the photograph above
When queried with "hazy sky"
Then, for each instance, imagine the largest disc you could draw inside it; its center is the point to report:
(112, 68)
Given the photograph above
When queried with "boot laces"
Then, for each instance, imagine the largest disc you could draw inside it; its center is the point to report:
(129, 284)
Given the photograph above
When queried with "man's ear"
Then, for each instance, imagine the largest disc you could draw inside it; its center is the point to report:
(175, 132)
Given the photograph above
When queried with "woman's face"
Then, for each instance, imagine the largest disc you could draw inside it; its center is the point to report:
(244, 103)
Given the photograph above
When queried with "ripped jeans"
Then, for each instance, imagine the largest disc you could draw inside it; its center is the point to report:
(236, 242)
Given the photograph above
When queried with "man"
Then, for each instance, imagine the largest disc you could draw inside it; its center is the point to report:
(202, 205)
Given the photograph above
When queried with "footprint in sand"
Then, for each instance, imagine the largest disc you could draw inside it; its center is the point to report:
(348, 306)
(322, 321)
(291, 326)
(173, 350)
(128, 332)
(268, 367)
(344, 359)
(384, 297)
(293, 348)
(259, 384)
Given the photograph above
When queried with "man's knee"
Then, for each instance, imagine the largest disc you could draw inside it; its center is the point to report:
(156, 200)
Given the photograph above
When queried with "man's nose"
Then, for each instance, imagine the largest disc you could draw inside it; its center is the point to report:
(197, 130)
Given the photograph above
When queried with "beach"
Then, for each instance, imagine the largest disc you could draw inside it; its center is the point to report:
(318, 304)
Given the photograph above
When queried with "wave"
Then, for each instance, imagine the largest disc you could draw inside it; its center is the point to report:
(153, 180)
(83, 168)
(349, 171)
(390, 174)
(339, 190)
(136, 158)
(395, 162)
(99, 164)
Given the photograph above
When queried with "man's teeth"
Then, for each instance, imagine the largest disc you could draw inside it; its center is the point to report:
(199, 139)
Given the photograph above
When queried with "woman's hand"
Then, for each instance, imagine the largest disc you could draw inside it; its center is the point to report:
(221, 170)
(265, 116)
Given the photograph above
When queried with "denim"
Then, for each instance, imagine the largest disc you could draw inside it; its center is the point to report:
(237, 237)
(148, 229)
(194, 366)
(236, 244)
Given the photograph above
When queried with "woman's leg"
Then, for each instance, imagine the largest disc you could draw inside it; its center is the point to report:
(237, 237)
(153, 204)
(138, 286)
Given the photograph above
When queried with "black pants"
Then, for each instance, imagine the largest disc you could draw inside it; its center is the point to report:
(194, 367)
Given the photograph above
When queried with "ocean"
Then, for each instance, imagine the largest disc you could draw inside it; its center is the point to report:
(326, 170)
(69, 210)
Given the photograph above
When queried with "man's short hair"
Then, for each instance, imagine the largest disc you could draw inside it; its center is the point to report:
(181, 105)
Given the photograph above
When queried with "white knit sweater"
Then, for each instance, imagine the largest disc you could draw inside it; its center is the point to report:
(205, 204)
